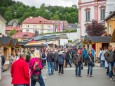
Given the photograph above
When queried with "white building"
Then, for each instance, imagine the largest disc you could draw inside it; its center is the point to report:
(39, 24)
(89, 10)
(43, 25)
(2, 25)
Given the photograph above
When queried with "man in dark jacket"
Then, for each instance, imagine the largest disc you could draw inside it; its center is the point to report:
(50, 61)
(3, 61)
(61, 62)
(109, 57)
(68, 58)
(56, 60)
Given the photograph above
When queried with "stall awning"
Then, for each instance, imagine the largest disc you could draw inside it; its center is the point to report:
(100, 39)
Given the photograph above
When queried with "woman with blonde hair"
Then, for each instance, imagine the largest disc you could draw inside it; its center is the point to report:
(35, 66)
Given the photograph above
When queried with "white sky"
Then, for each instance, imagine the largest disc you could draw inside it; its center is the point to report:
(37, 3)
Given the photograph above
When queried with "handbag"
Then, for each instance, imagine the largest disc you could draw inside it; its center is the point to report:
(35, 77)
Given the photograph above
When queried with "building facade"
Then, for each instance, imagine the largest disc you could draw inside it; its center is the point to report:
(42, 25)
(39, 24)
(89, 10)
(110, 20)
(2, 25)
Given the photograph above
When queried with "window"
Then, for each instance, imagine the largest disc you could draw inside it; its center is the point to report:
(27, 26)
(34, 26)
(27, 30)
(102, 13)
(87, 15)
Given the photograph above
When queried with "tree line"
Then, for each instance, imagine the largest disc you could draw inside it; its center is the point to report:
(17, 10)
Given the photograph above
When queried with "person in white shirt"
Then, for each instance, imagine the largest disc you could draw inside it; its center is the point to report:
(99, 55)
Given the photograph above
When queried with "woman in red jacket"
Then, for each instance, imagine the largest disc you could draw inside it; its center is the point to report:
(20, 72)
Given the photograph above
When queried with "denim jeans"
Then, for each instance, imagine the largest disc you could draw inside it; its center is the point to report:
(50, 67)
(90, 69)
(68, 62)
(102, 63)
(110, 69)
(78, 69)
(56, 65)
(41, 82)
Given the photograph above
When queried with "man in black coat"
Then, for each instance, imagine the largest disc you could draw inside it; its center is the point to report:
(56, 60)
(3, 61)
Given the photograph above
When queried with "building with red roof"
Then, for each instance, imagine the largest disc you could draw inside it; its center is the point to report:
(42, 25)
(23, 36)
(10, 28)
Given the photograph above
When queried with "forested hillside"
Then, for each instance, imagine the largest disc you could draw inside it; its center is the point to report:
(16, 10)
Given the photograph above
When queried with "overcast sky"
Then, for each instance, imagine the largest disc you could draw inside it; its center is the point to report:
(37, 3)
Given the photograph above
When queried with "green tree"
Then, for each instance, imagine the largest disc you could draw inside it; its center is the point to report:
(11, 33)
(55, 17)
(10, 9)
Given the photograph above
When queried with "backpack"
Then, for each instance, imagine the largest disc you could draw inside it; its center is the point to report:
(43, 55)
(60, 59)
(35, 67)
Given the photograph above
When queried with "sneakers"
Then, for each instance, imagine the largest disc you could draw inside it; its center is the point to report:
(59, 73)
(80, 76)
(111, 79)
(89, 75)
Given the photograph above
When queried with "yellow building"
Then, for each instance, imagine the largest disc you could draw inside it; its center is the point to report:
(110, 20)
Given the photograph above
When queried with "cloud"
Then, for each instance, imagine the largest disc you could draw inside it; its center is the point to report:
(37, 3)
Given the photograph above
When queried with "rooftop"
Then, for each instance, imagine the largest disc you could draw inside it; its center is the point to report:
(36, 20)
(110, 16)
(9, 28)
(23, 35)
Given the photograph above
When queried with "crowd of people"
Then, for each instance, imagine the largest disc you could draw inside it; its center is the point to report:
(107, 60)
(26, 66)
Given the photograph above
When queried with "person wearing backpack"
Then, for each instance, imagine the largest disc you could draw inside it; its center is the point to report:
(109, 57)
(61, 62)
(35, 66)
(90, 61)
